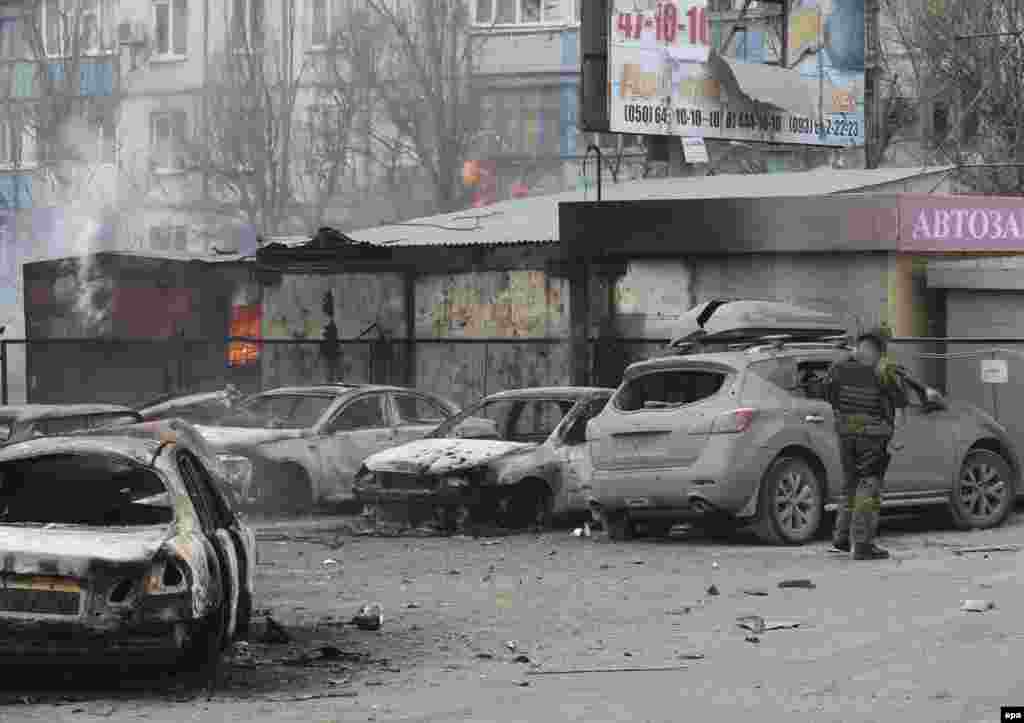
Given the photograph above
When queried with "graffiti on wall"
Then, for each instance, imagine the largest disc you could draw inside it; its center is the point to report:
(495, 304)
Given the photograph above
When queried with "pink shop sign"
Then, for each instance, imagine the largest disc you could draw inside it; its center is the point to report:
(951, 224)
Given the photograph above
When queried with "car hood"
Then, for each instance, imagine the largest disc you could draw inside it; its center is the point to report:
(442, 456)
(74, 551)
(232, 438)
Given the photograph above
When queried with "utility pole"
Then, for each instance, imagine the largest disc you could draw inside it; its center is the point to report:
(871, 119)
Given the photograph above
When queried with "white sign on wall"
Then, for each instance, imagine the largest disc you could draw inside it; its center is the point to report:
(994, 371)
(694, 150)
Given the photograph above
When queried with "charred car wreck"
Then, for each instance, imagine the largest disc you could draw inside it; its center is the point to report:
(515, 458)
(122, 546)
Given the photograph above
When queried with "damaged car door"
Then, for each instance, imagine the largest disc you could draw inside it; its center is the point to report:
(415, 417)
(571, 449)
(359, 429)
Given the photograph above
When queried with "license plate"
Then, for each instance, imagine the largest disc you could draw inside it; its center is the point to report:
(40, 595)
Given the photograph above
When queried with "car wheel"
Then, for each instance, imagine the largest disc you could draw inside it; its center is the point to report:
(244, 614)
(619, 527)
(293, 491)
(206, 642)
(791, 503)
(983, 494)
(531, 504)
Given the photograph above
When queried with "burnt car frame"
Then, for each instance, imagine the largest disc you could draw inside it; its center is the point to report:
(29, 421)
(311, 450)
(199, 408)
(119, 546)
(475, 468)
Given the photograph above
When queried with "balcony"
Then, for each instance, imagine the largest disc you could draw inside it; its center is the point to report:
(29, 79)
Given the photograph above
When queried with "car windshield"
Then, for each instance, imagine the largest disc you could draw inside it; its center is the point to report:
(279, 411)
(82, 489)
(507, 420)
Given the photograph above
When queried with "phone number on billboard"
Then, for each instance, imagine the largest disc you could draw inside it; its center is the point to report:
(716, 119)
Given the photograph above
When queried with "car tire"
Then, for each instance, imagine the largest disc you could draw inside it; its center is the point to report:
(206, 642)
(985, 469)
(618, 527)
(243, 617)
(531, 504)
(293, 494)
(790, 484)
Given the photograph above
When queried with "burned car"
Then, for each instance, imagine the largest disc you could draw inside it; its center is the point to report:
(290, 448)
(28, 421)
(200, 408)
(514, 458)
(118, 546)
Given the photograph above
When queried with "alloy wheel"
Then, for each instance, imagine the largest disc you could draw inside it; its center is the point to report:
(796, 503)
(982, 490)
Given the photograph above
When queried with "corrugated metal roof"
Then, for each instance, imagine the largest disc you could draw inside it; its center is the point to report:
(163, 256)
(514, 222)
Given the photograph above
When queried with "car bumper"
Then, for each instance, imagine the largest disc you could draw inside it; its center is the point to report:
(442, 495)
(24, 643)
(722, 480)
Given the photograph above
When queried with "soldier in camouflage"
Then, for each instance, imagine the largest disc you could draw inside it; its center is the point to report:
(868, 399)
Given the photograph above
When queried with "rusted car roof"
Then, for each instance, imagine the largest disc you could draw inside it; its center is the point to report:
(23, 412)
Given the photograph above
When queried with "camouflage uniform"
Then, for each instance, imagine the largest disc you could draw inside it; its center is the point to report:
(865, 400)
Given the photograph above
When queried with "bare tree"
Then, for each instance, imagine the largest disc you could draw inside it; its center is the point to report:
(425, 87)
(276, 138)
(970, 59)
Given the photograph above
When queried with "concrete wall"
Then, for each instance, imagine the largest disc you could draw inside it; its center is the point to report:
(987, 314)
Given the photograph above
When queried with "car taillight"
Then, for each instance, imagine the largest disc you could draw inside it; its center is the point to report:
(165, 577)
(733, 422)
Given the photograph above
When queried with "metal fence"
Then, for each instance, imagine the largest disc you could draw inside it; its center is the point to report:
(135, 371)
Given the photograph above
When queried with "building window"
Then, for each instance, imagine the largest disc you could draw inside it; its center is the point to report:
(17, 144)
(168, 238)
(525, 12)
(10, 38)
(94, 20)
(247, 25)
(170, 27)
(168, 141)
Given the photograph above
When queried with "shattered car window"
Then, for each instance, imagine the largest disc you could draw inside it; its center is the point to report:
(538, 419)
(672, 388)
(485, 420)
(82, 489)
(280, 411)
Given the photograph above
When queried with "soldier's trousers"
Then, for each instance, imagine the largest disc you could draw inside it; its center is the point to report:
(865, 460)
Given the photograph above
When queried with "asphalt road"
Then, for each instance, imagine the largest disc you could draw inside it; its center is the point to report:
(877, 641)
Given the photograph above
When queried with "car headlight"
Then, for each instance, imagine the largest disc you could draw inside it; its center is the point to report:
(238, 470)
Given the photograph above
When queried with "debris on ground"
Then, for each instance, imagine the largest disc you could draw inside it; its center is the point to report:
(801, 584)
(605, 566)
(523, 684)
(713, 590)
(681, 611)
(995, 548)
(512, 645)
(488, 543)
(752, 639)
(484, 656)
(977, 606)
(756, 593)
(521, 659)
(757, 624)
(714, 565)
(690, 656)
(412, 606)
(330, 562)
(369, 617)
(275, 634)
(454, 572)
(313, 696)
(580, 671)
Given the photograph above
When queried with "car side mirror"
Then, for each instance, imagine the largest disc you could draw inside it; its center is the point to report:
(933, 400)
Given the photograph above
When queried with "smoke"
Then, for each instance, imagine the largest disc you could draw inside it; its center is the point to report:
(85, 191)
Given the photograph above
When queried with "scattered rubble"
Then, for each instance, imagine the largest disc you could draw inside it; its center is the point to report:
(580, 671)
(275, 634)
(800, 584)
(757, 624)
(485, 656)
(713, 590)
(752, 639)
(756, 593)
(369, 617)
(995, 548)
(521, 659)
(977, 606)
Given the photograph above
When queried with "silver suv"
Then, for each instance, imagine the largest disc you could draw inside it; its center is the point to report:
(745, 437)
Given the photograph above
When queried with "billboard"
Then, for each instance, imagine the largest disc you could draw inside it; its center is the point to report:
(674, 69)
